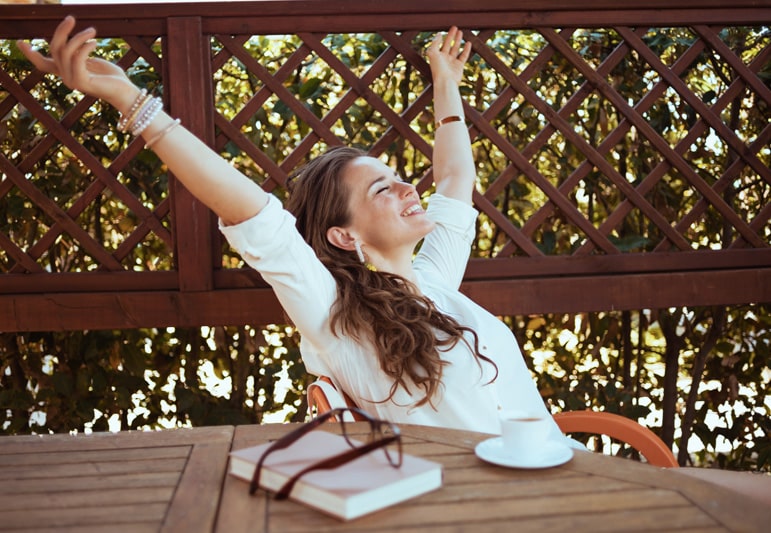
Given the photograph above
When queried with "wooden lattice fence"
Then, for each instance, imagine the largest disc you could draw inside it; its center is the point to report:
(577, 156)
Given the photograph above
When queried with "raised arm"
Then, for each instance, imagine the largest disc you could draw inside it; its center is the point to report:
(226, 191)
(454, 168)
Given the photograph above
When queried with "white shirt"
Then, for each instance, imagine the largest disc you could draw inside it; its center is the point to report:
(270, 243)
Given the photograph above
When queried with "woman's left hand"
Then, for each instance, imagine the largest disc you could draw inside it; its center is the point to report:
(447, 57)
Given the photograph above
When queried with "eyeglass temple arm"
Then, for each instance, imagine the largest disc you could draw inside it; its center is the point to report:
(284, 442)
(333, 462)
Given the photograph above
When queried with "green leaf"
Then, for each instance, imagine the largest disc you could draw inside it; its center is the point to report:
(310, 88)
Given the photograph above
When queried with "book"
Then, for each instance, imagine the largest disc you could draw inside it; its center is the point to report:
(364, 485)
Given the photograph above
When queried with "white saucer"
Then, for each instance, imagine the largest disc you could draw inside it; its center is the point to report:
(551, 454)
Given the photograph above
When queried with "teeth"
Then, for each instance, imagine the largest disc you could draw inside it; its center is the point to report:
(414, 209)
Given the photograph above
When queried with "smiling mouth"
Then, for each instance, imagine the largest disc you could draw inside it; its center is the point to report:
(412, 210)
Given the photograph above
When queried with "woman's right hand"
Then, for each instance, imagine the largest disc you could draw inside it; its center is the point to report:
(447, 57)
(90, 75)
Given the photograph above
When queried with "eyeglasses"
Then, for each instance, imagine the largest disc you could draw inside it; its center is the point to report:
(383, 435)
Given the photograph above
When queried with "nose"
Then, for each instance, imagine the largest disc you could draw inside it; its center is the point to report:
(406, 189)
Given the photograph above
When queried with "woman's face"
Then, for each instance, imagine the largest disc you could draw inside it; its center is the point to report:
(386, 213)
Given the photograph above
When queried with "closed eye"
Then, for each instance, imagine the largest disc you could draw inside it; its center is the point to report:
(384, 183)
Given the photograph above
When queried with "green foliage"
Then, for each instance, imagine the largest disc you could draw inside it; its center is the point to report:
(615, 362)
(138, 379)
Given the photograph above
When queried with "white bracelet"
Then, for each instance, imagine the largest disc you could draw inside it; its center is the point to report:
(161, 135)
(146, 116)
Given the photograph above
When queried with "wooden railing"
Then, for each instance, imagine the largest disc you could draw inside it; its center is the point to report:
(193, 47)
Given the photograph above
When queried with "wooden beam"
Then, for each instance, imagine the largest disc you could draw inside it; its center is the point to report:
(629, 263)
(88, 281)
(575, 294)
(129, 310)
(291, 16)
(567, 294)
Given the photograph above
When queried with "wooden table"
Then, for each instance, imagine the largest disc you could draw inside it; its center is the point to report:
(176, 481)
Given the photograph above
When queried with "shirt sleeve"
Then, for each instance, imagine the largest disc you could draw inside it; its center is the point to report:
(445, 251)
(270, 243)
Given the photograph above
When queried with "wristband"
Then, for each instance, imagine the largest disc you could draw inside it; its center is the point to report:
(447, 120)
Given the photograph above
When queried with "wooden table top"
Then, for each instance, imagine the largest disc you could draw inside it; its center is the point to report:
(176, 480)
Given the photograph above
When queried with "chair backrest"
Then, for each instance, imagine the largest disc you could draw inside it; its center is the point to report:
(323, 396)
(621, 429)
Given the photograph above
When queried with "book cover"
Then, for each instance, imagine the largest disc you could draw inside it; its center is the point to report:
(359, 487)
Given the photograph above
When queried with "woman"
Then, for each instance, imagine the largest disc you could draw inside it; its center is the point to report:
(389, 326)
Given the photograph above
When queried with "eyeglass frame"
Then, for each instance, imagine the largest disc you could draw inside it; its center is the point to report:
(334, 461)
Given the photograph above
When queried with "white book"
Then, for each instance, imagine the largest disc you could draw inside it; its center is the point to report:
(359, 487)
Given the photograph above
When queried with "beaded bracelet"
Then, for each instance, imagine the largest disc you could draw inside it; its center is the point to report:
(162, 134)
(147, 114)
(447, 120)
(128, 119)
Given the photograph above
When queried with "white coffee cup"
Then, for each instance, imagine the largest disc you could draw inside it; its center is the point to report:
(524, 434)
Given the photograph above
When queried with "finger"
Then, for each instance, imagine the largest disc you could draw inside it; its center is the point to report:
(71, 55)
(58, 42)
(80, 70)
(434, 45)
(456, 42)
(76, 43)
(39, 61)
(60, 36)
(449, 40)
(97, 65)
(466, 53)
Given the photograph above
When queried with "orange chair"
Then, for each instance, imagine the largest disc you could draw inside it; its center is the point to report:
(621, 429)
(749, 484)
(323, 396)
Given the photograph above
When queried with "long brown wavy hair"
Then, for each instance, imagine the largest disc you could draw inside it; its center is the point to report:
(407, 329)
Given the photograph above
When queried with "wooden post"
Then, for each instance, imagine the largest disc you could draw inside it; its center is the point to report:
(189, 96)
